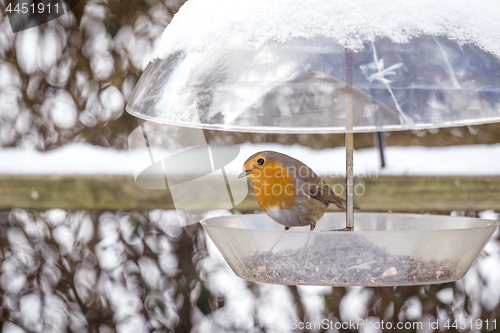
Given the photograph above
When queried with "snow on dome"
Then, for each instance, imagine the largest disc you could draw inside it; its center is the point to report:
(209, 23)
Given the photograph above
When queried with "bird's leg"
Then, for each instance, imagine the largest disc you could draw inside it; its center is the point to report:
(313, 225)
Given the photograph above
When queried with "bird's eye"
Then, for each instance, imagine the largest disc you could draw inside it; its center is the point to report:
(260, 161)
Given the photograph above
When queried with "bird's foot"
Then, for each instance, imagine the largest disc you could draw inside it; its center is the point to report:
(286, 228)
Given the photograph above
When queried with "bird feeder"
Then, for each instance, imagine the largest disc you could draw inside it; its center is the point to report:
(332, 67)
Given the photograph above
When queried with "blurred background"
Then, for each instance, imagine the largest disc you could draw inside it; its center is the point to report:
(105, 265)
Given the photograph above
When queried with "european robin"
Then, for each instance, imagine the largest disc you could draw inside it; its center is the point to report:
(288, 190)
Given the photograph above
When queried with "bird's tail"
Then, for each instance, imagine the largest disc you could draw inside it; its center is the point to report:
(342, 203)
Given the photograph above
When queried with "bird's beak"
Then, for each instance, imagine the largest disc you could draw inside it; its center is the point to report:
(244, 173)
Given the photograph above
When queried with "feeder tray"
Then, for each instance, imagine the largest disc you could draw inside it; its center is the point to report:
(385, 249)
(251, 69)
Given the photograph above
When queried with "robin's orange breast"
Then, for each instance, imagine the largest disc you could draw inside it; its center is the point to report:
(274, 187)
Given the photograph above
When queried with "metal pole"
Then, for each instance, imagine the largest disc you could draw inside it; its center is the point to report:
(349, 142)
(380, 143)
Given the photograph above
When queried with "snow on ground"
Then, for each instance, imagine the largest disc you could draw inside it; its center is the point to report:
(77, 158)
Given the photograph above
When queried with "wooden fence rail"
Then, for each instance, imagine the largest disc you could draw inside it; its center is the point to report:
(383, 193)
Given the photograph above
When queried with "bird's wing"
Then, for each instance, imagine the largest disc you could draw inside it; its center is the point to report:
(323, 192)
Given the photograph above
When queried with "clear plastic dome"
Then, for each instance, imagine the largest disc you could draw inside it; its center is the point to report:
(299, 86)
